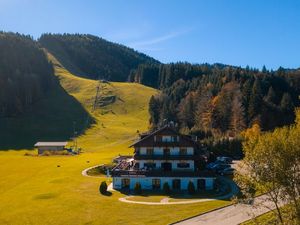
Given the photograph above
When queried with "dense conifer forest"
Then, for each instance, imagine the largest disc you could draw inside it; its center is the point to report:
(25, 73)
(220, 100)
(93, 57)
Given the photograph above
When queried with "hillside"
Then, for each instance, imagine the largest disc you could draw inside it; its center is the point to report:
(221, 100)
(25, 74)
(121, 109)
(68, 106)
(93, 57)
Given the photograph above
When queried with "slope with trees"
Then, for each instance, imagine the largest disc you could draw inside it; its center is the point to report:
(25, 74)
(93, 57)
(223, 100)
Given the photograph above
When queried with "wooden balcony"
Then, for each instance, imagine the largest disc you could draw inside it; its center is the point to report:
(162, 173)
(165, 157)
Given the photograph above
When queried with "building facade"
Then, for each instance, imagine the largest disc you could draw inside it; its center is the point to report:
(163, 156)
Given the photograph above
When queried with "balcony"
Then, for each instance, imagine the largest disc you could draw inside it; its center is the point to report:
(138, 156)
(162, 173)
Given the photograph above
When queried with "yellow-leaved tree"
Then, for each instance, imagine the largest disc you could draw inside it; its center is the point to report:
(272, 160)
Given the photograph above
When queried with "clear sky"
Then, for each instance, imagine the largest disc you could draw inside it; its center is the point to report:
(235, 32)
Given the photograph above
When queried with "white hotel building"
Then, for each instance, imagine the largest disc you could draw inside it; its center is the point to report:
(163, 156)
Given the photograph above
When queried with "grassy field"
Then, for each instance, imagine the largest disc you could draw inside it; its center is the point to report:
(51, 190)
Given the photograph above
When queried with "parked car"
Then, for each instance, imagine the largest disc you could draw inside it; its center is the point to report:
(227, 171)
(224, 159)
(210, 165)
(218, 167)
(221, 167)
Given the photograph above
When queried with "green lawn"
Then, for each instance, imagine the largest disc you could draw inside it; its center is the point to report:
(51, 189)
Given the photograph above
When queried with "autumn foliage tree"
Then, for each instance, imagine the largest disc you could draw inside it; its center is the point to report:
(272, 161)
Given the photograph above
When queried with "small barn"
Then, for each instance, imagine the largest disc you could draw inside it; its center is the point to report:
(50, 146)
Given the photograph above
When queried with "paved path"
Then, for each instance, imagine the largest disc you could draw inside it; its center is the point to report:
(233, 214)
(84, 172)
(234, 190)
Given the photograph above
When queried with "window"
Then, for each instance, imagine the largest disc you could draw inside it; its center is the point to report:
(166, 151)
(166, 166)
(201, 184)
(166, 139)
(150, 165)
(125, 183)
(176, 184)
(156, 183)
(157, 138)
(183, 151)
(149, 151)
(137, 151)
(183, 165)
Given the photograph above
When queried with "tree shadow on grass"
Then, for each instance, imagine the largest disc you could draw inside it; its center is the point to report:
(107, 193)
(53, 118)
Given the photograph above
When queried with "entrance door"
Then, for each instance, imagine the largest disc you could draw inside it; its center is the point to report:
(166, 166)
(125, 183)
(176, 184)
(201, 184)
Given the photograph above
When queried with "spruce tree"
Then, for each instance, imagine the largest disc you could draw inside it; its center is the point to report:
(286, 103)
(255, 101)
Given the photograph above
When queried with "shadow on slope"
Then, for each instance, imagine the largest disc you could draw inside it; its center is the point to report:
(53, 118)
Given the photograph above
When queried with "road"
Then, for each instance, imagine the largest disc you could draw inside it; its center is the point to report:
(233, 214)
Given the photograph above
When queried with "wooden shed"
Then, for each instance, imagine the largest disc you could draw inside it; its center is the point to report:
(50, 146)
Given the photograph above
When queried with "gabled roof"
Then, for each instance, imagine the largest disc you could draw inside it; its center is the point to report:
(167, 130)
(48, 144)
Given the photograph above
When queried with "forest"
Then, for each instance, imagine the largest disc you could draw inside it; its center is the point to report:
(25, 73)
(93, 57)
(220, 101)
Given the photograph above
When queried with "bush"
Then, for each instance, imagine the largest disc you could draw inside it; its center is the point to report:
(191, 188)
(103, 187)
(137, 188)
(46, 153)
(166, 188)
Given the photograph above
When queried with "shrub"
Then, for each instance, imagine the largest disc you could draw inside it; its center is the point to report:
(166, 188)
(46, 153)
(28, 154)
(191, 188)
(103, 187)
(137, 188)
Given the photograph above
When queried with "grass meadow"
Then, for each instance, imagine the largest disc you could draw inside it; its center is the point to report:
(50, 189)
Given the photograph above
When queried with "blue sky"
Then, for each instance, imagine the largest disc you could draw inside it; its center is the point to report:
(235, 32)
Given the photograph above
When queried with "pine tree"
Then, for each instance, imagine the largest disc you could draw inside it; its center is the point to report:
(271, 96)
(255, 102)
(286, 103)
(154, 110)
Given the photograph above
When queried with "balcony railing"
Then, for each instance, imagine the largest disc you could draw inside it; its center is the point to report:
(162, 173)
(138, 156)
